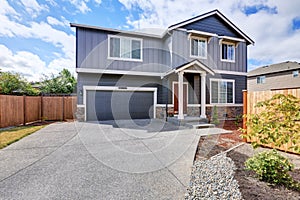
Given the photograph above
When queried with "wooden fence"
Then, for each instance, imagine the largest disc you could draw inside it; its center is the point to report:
(252, 98)
(17, 110)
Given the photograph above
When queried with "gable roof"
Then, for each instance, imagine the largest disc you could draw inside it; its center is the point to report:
(208, 14)
(279, 67)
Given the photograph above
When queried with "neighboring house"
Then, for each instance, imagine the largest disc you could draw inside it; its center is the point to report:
(273, 77)
(192, 66)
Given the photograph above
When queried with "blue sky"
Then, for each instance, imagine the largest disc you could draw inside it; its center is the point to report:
(36, 39)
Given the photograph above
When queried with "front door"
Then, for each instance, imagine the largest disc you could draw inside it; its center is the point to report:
(175, 97)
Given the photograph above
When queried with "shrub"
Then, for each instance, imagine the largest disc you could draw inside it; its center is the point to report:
(273, 168)
(278, 122)
(215, 116)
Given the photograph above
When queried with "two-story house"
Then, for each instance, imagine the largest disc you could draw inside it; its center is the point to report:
(192, 66)
(274, 77)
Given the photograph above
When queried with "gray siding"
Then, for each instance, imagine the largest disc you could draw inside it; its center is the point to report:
(212, 24)
(85, 79)
(92, 52)
(181, 53)
(274, 81)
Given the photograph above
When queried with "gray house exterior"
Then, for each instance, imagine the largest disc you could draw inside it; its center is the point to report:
(274, 77)
(192, 66)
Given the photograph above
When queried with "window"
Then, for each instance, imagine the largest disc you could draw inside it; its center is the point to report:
(295, 73)
(261, 79)
(222, 91)
(198, 47)
(228, 51)
(125, 48)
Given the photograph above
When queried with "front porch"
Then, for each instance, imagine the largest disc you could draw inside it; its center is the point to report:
(187, 85)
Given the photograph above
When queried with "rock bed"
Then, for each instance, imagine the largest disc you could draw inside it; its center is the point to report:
(213, 179)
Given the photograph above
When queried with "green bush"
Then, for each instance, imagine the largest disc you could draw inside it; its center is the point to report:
(273, 168)
(215, 116)
(278, 122)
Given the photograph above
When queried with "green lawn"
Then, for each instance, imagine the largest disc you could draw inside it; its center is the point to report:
(10, 136)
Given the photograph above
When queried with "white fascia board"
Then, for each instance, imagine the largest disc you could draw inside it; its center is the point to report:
(231, 72)
(232, 39)
(105, 71)
(202, 33)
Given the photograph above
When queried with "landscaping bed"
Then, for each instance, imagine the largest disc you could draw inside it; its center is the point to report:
(249, 186)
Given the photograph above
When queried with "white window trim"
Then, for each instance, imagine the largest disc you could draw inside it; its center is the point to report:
(221, 52)
(198, 38)
(187, 91)
(114, 88)
(261, 82)
(233, 91)
(125, 59)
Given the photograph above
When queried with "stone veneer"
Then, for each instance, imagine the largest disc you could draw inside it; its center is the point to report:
(224, 112)
(80, 114)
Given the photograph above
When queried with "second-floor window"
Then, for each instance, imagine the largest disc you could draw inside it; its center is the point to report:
(261, 79)
(198, 47)
(227, 51)
(125, 48)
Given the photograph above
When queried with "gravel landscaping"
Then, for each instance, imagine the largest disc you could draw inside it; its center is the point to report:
(220, 174)
(213, 179)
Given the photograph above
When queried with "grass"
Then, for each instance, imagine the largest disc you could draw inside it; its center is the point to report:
(10, 136)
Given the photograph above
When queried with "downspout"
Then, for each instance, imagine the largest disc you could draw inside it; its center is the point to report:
(171, 62)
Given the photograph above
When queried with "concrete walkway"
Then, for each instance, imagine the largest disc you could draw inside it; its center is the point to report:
(138, 159)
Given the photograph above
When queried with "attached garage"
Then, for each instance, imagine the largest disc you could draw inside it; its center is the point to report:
(112, 103)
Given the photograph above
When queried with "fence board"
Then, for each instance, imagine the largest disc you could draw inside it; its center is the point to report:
(17, 110)
(11, 110)
(70, 105)
(52, 108)
(257, 96)
(32, 109)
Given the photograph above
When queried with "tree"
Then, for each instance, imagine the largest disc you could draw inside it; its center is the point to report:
(12, 83)
(278, 123)
(64, 83)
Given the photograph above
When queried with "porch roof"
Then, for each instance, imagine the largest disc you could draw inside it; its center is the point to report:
(195, 65)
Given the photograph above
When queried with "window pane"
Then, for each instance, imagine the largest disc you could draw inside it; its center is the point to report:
(136, 49)
(115, 47)
(202, 48)
(214, 92)
(222, 91)
(229, 92)
(194, 47)
(224, 51)
(230, 53)
(295, 73)
(125, 48)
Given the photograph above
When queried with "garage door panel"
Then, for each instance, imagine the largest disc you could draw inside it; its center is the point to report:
(109, 105)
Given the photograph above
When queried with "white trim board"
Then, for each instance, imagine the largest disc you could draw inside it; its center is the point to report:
(125, 89)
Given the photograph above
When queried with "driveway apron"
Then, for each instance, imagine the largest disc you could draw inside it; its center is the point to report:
(140, 159)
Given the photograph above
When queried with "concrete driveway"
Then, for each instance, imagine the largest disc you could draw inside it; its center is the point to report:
(141, 159)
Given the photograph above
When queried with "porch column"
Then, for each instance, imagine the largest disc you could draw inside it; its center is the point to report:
(180, 95)
(203, 95)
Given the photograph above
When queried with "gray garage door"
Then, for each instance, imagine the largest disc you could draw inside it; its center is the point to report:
(110, 105)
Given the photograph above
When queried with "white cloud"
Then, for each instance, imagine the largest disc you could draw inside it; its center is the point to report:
(33, 7)
(54, 21)
(275, 41)
(30, 65)
(81, 5)
(98, 2)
